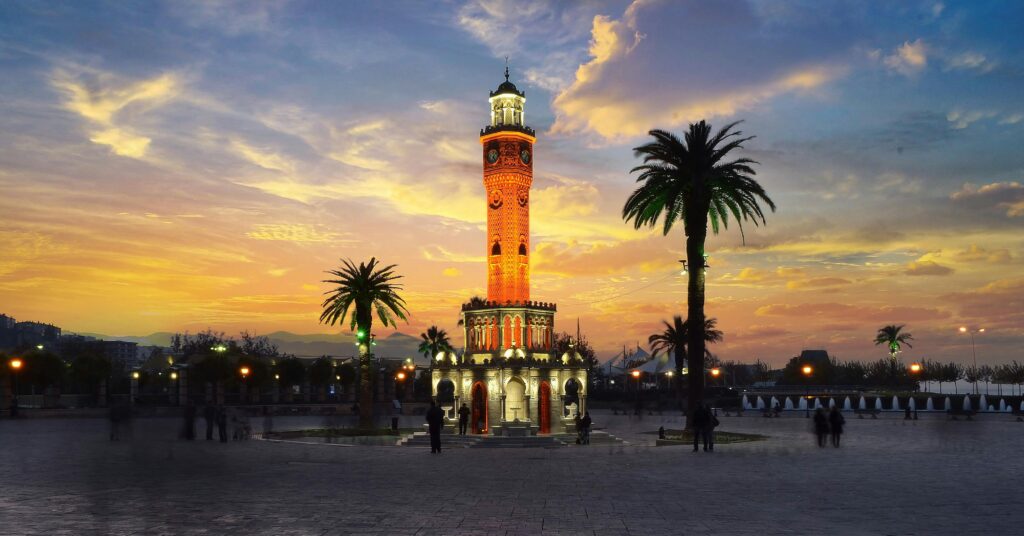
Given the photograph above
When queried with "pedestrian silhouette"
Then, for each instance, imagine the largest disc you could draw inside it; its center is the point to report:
(222, 424)
(435, 418)
(821, 426)
(586, 427)
(190, 421)
(836, 422)
(463, 419)
(210, 414)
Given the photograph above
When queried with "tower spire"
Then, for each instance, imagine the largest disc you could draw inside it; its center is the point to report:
(506, 68)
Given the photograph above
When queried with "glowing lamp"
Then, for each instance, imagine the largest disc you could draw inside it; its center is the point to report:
(807, 370)
(277, 376)
(401, 376)
(16, 364)
(670, 373)
(244, 371)
(963, 329)
(981, 330)
(174, 375)
(915, 368)
(715, 372)
(635, 373)
(135, 375)
(337, 377)
(39, 347)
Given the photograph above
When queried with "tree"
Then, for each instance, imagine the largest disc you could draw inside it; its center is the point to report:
(691, 181)
(892, 337)
(952, 372)
(562, 342)
(347, 374)
(366, 288)
(90, 370)
(290, 372)
(434, 342)
(673, 340)
(986, 373)
(973, 375)
(321, 374)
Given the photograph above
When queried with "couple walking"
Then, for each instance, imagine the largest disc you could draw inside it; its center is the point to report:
(824, 424)
(704, 423)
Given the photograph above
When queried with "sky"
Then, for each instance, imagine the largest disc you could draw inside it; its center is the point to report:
(169, 166)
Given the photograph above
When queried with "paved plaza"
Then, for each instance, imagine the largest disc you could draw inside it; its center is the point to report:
(932, 476)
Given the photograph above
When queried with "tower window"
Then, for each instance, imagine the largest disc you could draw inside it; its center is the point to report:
(522, 249)
(496, 249)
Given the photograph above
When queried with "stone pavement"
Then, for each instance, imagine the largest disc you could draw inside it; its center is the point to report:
(932, 476)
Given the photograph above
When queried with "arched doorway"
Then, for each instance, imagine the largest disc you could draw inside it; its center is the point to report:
(478, 419)
(544, 408)
(515, 400)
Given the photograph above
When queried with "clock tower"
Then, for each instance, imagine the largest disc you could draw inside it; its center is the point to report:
(508, 174)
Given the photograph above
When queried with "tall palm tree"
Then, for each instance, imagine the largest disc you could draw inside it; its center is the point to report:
(673, 340)
(693, 181)
(894, 338)
(367, 289)
(434, 342)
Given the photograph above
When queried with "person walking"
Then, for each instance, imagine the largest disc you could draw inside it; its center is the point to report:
(222, 424)
(836, 422)
(586, 427)
(210, 414)
(709, 430)
(435, 419)
(578, 422)
(190, 421)
(698, 423)
(821, 426)
(463, 418)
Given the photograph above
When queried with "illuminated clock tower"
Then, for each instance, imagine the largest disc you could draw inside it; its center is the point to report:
(509, 374)
(508, 174)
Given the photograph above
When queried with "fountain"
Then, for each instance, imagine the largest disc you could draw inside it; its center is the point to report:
(948, 404)
(967, 403)
(831, 403)
(895, 403)
(846, 405)
(775, 402)
(817, 403)
(929, 405)
(982, 403)
(803, 403)
(863, 404)
(1002, 405)
(760, 403)
(912, 404)
(788, 404)
(991, 408)
(1022, 405)
(878, 403)
(746, 403)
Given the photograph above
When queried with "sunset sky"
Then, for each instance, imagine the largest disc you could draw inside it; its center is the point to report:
(184, 165)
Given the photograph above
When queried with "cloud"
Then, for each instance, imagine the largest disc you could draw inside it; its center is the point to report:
(927, 268)
(294, 232)
(262, 158)
(451, 272)
(104, 100)
(817, 283)
(963, 119)
(976, 254)
(575, 259)
(440, 253)
(852, 312)
(1004, 195)
(970, 61)
(999, 303)
(1012, 119)
(605, 97)
(909, 58)
(567, 197)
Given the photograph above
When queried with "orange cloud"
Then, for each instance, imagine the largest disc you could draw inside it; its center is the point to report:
(927, 268)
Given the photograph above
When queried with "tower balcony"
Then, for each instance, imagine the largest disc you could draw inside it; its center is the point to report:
(489, 304)
(492, 129)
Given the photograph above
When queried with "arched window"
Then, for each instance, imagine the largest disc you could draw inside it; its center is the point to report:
(496, 249)
(522, 249)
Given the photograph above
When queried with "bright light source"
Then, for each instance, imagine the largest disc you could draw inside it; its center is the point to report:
(135, 375)
(715, 372)
(981, 330)
(401, 376)
(963, 329)
(670, 373)
(174, 375)
(39, 346)
(277, 376)
(915, 368)
(807, 370)
(16, 364)
(244, 371)
(635, 373)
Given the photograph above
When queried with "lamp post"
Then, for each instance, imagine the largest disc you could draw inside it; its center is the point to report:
(15, 365)
(915, 371)
(244, 373)
(808, 371)
(636, 374)
(974, 353)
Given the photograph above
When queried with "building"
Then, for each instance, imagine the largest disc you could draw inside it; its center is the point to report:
(508, 375)
(15, 335)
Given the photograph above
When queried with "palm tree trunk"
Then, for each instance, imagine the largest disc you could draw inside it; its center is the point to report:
(365, 388)
(695, 236)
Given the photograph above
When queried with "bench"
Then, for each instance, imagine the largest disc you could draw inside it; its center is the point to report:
(954, 413)
(862, 412)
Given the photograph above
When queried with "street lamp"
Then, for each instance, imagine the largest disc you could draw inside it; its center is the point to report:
(636, 374)
(808, 371)
(15, 368)
(400, 376)
(974, 353)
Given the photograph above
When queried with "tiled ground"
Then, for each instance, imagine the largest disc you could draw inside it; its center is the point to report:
(926, 477)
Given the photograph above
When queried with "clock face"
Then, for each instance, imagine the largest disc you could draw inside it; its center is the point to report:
(495, 201)
(524, 155)
(492, 156)
(524, 197)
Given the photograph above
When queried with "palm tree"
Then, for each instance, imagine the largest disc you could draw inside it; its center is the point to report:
(434, 342)
(366, 288)
(692, 181)
(673, 340)
(894, 339)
